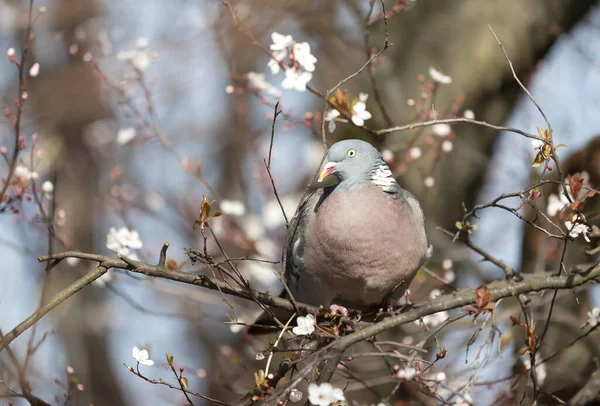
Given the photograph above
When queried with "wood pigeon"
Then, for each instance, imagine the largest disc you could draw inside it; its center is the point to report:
(357, 242)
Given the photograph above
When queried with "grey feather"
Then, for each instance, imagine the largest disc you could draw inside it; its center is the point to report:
(360, 241)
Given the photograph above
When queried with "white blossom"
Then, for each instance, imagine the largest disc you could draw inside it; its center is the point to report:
(303, 56)
(439, 77)
(359, 111)
(258, 82)
(306, 325)
(447, 264)
(280, 41)
(440, 377)
(407, 373)
(280, 46)
(429, 182)
(537, 144)
(434, 293)
(435, 319)
(330, 116)
(139, 58)
(295, 395)
(415, 152)
(122, 240)
(594, 317)
(324, 394)
(296, 79)
(10, 52)
(302, 62)
(441, 130)
(73, 261)
(141, 356)
(578, 228)
(387, 155)
(48, 189)
(259, 356)
(273, 63)
(229, 89)
(34, 70)
(449, 276)
(447, 146)
(142, 43)
(233, 207)
(125, 135)
(556, 203)
(25, 173)
(469, 114)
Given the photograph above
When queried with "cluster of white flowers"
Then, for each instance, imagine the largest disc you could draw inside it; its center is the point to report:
(359, 113)
(324, 394)
(125, 135)
(141, 356)
(330, 117)
(24, 173)
(447, 266)
(407, 373)
(359, 110)
(302, 62)
(122, 241)
(306, 325)
(140, 58)
(594, 317)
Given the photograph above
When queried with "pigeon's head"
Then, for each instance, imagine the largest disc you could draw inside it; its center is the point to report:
(351, 160)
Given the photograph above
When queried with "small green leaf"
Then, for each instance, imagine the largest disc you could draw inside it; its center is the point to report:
(559, 146)
(170, 359)
(184, 382)
(217, 214)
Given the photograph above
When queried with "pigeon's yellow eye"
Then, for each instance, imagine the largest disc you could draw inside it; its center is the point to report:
(351, 153)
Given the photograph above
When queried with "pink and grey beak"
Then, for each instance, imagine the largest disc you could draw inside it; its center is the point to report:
(327, 170)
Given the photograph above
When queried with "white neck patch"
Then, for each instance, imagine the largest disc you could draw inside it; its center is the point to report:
(382, 177)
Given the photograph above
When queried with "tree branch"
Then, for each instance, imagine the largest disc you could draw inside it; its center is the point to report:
(58, 299)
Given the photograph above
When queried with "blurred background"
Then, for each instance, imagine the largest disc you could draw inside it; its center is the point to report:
(141, 108)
